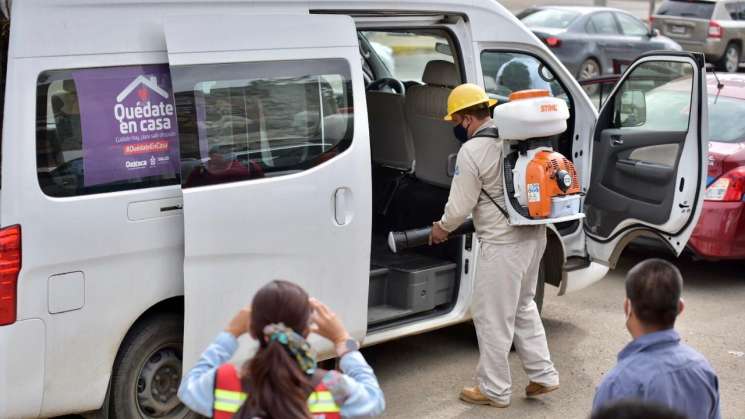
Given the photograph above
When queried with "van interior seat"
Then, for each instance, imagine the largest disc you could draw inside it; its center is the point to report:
(391, 143)
(426, 105)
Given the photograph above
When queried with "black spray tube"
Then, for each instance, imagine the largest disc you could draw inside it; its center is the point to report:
(402, 240)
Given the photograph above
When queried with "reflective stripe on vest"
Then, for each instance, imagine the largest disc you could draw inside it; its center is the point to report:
(229, 398)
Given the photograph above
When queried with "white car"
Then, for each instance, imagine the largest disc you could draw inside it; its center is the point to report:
(163, 160)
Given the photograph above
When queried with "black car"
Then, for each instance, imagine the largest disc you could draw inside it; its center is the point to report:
(593, 41)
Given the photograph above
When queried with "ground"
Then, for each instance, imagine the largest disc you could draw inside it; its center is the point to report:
(422, 375)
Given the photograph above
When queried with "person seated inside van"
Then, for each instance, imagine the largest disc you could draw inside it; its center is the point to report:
(222, 167)
(282, 380)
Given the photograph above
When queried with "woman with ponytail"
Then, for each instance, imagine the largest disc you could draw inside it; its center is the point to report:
(282, 381)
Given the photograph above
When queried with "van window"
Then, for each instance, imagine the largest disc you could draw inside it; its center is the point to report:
(687, 8)
(106, 129)
(406, 53)
(655, 96)
(508, 72)
(249, 120)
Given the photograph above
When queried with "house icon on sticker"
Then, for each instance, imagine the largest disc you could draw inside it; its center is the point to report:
(142, 81)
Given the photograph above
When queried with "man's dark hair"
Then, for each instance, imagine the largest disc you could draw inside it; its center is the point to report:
(654, 287)
(479, 111)
(636, 409)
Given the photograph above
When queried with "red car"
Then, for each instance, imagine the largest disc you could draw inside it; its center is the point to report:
(720, 233)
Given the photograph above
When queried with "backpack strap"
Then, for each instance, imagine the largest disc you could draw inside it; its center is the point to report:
(490, 132)
(499, 207)
(228, 395)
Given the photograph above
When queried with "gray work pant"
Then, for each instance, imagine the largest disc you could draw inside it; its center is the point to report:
(503, 309)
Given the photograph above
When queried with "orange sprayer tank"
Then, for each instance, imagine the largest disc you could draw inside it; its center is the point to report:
(548, 175)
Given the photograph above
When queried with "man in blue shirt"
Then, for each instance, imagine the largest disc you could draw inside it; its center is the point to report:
(656, 366)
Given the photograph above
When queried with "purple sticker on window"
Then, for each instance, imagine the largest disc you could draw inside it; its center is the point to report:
(128, 116)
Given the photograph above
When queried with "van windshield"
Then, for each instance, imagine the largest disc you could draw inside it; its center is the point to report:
(694, 9)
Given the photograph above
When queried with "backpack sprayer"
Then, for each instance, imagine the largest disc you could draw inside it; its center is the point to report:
(541, 185)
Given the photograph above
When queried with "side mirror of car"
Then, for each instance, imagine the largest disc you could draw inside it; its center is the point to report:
(443, 48)
(654, 32)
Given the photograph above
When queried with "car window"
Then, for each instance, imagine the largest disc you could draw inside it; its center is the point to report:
(602, 24)
(405, 54)
(551, 18)
(630, 26)
(687, 8)
(106, 129)
(655, 96)
(736, 10)
(246, 121)
(726, 119)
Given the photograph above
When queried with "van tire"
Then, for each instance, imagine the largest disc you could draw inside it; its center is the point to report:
(151, 352)
(732, 53)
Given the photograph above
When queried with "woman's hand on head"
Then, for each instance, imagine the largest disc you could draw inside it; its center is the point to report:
(241, 322)
(325, 323)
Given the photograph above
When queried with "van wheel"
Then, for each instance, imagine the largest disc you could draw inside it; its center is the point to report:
(540, 285)
(147, 372)
(730, 61)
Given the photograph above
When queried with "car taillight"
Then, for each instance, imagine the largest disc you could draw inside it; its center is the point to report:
(10, 266)
(715, 29)
(729, 187)
(553, 41)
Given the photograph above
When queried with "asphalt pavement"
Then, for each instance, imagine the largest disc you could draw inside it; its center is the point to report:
(422, 375)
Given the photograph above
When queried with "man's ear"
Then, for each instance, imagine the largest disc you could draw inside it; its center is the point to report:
(681, 306)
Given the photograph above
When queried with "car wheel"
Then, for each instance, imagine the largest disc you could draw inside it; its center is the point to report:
(730, 61)
(589, 69)
(147, 372)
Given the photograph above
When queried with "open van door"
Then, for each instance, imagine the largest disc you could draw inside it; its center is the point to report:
(275, 165)
(648, 156)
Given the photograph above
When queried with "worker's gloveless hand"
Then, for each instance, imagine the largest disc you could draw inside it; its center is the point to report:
(241, 322)
(325, 323)
(438, 234)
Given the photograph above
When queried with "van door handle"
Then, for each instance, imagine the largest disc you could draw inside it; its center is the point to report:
(616, 140)
(343, 206)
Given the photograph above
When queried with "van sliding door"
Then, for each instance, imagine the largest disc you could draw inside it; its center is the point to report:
(275, 164)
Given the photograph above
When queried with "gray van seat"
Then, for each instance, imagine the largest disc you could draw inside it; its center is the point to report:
(433, 137)
(391, 144)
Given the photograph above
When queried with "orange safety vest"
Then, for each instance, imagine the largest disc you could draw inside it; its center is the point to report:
(229, 396)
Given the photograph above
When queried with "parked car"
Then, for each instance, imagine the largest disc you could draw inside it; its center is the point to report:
(715, 28)
(720, 232)
(593, 41)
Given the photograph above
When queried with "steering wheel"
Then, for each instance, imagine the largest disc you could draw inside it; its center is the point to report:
(391, 83)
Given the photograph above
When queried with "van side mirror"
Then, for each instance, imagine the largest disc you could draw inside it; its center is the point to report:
(631, 109)
(443, 48)
(654, 32)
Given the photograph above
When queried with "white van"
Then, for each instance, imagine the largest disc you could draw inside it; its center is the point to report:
(161, 160)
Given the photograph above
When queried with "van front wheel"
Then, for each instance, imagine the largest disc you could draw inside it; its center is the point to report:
(147, 371)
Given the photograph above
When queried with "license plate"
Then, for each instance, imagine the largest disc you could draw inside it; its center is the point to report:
(680, 30)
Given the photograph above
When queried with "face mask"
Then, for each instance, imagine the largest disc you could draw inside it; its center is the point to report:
(460, 133)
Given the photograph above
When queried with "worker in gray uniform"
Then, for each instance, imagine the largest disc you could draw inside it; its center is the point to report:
(508, 261)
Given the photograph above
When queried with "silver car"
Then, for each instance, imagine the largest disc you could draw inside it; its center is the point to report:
(593, 41)
(715, 28)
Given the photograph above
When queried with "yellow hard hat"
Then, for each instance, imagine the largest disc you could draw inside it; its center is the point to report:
(465, 96)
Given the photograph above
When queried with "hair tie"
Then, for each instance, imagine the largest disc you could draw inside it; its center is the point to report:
(294, 343)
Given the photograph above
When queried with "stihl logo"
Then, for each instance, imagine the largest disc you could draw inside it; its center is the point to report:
(550, 107)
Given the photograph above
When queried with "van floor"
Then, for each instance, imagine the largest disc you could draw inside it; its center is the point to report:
(408, 284)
